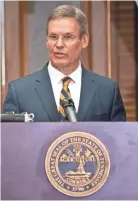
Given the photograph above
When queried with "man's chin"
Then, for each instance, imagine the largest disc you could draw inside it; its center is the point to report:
(59, 64)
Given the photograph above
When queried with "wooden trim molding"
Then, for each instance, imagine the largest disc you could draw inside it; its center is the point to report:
(12, 40)
(108, 37)
(136, 55)
(23, 9)
(86, 7)
(2, 54)
(1, 27)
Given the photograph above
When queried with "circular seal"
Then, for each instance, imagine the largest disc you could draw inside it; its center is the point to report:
(77, 164)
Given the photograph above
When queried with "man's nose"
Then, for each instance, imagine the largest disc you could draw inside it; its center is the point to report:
(60, 42)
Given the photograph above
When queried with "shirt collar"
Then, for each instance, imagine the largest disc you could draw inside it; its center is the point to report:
(56, 76)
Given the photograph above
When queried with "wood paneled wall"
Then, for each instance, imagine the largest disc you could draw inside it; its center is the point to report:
(123, 53)
(15, 30)
(120, 49)
(11, 42)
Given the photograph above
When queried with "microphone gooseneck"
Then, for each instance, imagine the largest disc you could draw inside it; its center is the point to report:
(69, 108)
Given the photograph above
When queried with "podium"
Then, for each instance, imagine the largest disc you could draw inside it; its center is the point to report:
(24, 147)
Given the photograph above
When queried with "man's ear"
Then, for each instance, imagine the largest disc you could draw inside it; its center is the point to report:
(85, 40)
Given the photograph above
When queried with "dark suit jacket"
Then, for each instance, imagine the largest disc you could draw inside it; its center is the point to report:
(100, 98)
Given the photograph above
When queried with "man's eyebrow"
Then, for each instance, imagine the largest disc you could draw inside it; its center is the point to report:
(53, 33)
(67, 33)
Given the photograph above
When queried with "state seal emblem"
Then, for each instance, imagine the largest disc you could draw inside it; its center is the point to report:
(77, 164)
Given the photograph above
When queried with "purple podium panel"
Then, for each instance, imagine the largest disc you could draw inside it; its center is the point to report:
(24, 147)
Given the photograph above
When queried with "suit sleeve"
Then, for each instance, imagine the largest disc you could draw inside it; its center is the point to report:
(118, 112)
(11, 100)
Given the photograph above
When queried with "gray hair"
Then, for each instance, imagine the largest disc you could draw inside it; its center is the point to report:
(70, 11)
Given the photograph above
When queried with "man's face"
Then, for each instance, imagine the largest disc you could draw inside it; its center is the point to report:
(64, 42)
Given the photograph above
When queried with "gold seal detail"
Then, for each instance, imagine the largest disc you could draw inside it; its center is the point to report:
(77, 164)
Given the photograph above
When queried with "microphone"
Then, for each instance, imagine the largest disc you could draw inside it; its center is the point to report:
(12, 117)
(70, 110)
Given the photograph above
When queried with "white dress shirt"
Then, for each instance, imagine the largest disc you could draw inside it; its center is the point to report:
(74, 86)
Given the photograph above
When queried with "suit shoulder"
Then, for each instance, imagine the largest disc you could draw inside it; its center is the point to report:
(100, 79)
(103, 80)
(28, 79)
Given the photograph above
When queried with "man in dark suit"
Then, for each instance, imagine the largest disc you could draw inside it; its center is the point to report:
(96, 98)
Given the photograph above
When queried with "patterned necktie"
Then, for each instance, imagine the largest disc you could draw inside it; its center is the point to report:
(65, 93)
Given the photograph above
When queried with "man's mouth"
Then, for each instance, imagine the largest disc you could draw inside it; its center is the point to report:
(59, 54)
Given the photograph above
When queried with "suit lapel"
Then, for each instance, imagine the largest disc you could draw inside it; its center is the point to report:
(88, 89)
(44, 91)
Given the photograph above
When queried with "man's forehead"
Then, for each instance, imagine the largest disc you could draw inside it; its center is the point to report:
(63, 24)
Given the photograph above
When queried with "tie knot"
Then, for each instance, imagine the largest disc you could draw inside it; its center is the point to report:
(66, 81)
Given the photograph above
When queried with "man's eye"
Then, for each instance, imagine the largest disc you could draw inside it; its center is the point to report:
(54, 37)
(67, 37)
